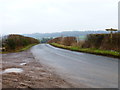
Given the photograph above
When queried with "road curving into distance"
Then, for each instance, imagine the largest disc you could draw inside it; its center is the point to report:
(80, 69)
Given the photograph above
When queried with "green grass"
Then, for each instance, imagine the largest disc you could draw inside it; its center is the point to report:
(19, 50)
(89, 50)
(26, 48)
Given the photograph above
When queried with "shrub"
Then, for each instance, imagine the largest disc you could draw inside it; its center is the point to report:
(13, 41)
(103, 41)
(68, 41)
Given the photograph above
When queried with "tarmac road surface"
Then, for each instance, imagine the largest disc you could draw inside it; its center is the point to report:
(79, 68)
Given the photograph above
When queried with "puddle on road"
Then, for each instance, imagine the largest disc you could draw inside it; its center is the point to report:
(23, 64)
(13, 70)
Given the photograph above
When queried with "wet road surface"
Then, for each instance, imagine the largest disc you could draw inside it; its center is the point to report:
(79, 68)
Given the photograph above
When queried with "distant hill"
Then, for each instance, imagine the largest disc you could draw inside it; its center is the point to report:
(65, 33)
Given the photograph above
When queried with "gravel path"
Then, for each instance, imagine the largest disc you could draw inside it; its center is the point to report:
(32, 75)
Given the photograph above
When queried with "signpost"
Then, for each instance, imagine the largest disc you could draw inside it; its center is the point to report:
(111, 31)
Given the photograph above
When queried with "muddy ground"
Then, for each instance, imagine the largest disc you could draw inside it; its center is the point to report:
(34, 75)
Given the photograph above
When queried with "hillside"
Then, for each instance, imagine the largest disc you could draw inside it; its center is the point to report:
(65, 33)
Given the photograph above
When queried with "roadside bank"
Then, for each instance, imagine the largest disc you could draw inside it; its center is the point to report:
(109, 53)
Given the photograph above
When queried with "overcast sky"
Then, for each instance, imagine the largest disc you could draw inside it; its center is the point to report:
(45, 16)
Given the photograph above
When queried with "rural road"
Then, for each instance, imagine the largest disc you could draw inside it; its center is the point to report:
(79, 68)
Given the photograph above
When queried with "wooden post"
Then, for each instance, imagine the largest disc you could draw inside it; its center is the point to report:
(111, 32)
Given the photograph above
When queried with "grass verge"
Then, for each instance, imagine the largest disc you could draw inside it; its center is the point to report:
(19, 50)
(26, 48)
(89, 50)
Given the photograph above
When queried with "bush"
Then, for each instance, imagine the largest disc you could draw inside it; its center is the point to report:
(94, 40)
(103, 41)
(68, 41)
(111, 43)
(12, 42)
(56, 40)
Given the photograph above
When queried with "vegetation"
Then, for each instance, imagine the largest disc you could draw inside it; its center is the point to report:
(15, 42)
(45, 40)
(89, 50)
(101, 44)
(67, 41)
(26, 48)
(103, 41)
(81, 34)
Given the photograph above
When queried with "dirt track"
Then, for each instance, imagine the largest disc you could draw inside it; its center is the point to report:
(34, 74)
